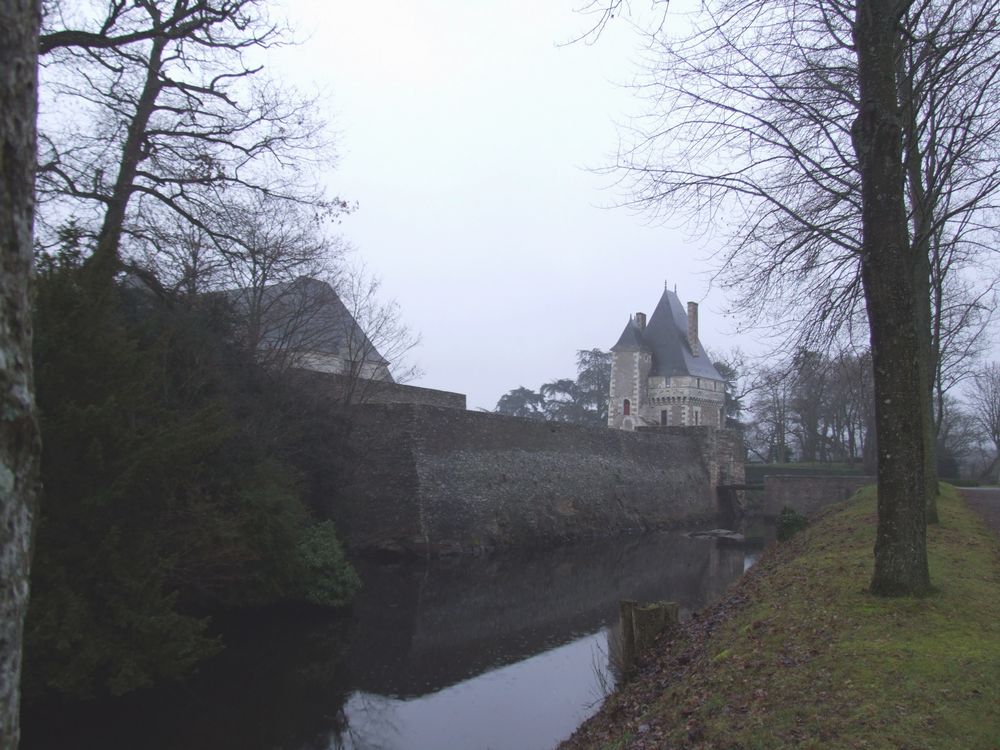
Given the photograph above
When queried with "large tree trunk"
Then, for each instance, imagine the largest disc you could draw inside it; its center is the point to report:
(888, 277)
(921, 264)
(19, 442)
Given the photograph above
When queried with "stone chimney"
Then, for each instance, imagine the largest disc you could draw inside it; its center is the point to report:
(693, 327)
(640, 320)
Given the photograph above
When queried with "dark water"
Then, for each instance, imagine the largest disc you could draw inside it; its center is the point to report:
(504, 652)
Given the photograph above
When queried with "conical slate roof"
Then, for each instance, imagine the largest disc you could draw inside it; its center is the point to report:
(665, 336)
(631, 339)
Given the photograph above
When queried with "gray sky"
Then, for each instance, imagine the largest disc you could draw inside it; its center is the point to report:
(465, 135)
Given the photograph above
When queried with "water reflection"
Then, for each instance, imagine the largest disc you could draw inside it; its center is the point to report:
(531, 704)
(499, 652)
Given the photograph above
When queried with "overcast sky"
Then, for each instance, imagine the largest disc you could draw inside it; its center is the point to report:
(467, 134)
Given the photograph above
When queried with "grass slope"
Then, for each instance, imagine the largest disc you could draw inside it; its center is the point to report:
(800, 655)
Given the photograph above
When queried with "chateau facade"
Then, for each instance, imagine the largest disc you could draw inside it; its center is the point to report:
(660, 374)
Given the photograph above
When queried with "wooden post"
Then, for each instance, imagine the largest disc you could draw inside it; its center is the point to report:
(641, 623)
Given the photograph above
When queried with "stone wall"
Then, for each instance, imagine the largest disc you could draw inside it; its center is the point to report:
(430, 480)
(808, 494)
(360, 391)
(396, 393)
(722, 450)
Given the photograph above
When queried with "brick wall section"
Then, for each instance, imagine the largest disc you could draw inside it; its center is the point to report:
(808, 494)
(430, 479)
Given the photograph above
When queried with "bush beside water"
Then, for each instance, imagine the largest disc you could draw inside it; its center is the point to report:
(179, 479)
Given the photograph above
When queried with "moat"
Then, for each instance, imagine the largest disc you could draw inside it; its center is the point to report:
(500, 652)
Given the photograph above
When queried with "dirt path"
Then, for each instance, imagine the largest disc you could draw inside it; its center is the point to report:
(986, 502)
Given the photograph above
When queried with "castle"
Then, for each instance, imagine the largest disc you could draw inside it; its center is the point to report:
(661, 375)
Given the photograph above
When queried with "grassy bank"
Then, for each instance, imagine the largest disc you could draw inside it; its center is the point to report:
(802, 656)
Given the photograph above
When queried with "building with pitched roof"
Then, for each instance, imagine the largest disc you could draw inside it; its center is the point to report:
(304, 329)
(660, 373)
(304, 324)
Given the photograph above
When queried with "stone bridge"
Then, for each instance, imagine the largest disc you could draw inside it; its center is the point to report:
(807, 494)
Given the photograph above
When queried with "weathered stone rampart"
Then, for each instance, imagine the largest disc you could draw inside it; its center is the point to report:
(433, 480)
(359, 391)
(396, 393)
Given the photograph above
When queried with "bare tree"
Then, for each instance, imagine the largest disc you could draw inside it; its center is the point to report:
(984, 407)
(19, 439)
(958, 438)
(339, 326)
(379, 343)
(183, 259)
(734, 368)
(888, 273)
(853, 401)
(775, 112)
(962, 319)
(172, 120)
(824, 402)
(752, 114)
(770, 428)
(279, 241)
(810, 403)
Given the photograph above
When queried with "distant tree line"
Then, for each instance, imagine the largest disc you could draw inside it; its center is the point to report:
(583, 400)
(810, 406)
(816, 407)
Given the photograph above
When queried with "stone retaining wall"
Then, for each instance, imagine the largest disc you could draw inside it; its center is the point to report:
(808, 494)
(435, 480)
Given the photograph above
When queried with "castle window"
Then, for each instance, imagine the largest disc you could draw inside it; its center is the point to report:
(627, 407)
(697, 416)
(664, 416)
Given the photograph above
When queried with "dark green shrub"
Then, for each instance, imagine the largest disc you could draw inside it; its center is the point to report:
(789, 523)
(326, 578)
(175, 484)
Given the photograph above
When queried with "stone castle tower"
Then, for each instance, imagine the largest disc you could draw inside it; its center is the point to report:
(660, 374)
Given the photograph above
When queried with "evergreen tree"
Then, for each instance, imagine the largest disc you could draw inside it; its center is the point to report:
(168, 491)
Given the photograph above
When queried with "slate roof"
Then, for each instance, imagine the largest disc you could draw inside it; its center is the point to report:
(307, 315)
(665, 337)
(631, 339)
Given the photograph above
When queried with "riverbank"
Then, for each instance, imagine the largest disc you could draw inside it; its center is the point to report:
(800, 655)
